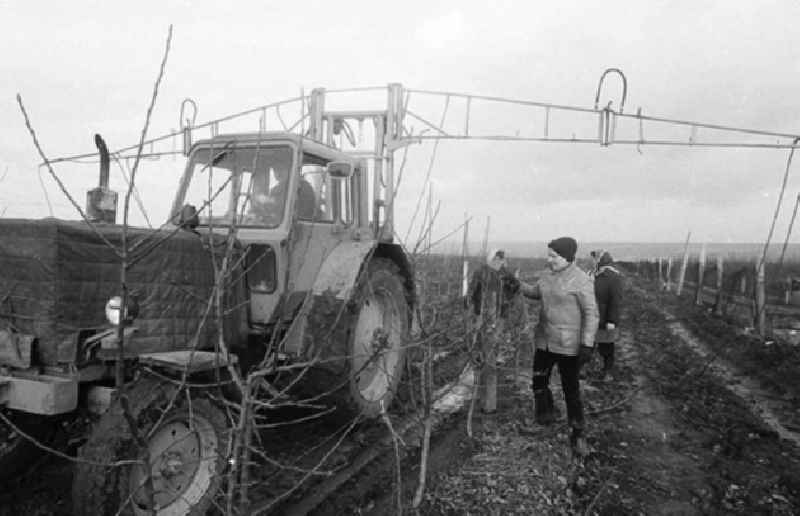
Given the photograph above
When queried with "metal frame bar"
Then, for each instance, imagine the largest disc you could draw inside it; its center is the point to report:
(402, 135)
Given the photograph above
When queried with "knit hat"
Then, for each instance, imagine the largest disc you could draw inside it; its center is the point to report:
(564, 246)
(605, 259)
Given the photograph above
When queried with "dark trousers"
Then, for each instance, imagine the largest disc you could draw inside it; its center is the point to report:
(568, 368)
(606, 350)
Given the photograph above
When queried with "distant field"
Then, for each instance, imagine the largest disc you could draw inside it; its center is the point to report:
(632, 251)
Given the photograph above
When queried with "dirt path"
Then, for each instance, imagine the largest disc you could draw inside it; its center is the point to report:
(763, 403)
(668, 435)
(664, 478)
(693, 443)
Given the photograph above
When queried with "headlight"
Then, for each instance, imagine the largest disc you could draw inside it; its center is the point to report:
(113, 308)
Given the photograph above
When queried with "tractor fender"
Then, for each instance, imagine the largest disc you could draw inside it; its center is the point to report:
(395, 253)
(336, 281)
(333, 285)
(339, 271)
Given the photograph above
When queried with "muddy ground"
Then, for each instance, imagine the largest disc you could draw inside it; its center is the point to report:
(668, 435)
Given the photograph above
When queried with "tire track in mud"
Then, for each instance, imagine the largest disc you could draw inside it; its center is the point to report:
(365, 460)
(450, 399)
(688, 443)
(763, 404)
(664, 478)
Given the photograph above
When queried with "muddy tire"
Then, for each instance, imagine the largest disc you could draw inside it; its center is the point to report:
(363, 344)
(16, 452)
(187, 454)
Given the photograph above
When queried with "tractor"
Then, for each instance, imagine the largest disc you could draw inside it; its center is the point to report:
(314, 277)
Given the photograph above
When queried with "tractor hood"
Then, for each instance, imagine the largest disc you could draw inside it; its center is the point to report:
(56, 277)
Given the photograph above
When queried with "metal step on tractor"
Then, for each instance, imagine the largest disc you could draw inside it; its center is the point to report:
(314, 277)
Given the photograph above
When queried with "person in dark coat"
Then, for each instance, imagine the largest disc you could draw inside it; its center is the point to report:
(608, 291)
(564, 335)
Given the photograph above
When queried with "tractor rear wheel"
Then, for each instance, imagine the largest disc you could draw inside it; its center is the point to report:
(184, 445)
(362, 348)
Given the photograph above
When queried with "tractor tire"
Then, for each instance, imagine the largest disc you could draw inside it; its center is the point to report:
(360, 345)
(17, 453)
(187, 456)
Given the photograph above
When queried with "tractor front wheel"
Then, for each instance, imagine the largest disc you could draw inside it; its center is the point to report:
(17, 452)
(172, 466)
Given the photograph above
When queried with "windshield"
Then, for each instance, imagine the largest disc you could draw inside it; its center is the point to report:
(248, 183)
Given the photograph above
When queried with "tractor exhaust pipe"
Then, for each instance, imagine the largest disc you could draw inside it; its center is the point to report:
(101, 202)
(105, 163)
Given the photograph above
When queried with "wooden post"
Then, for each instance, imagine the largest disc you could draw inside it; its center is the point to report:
(719, 309)
(684, 263)
(701, 270)
(760, 295)
(490, 331)
(668, 285)
(464, 258)
(787, 291)
(660, 274)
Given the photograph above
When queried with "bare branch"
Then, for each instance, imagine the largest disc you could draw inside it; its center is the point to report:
(153, 97)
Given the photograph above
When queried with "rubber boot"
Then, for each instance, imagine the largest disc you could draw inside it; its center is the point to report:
(578, 443)
(544, 407)
(608, 364)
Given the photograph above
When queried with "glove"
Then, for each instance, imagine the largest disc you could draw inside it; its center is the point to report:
(585, 355)
(510, 283)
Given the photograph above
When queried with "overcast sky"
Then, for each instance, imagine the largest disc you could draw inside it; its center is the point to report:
(86, 67)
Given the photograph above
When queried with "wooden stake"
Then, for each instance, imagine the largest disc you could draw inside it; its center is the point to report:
(490, 325)
(701, 270)
(760, 295)
(668, 285)
(684, 263)
(464, 256)
(719, 301)
(788, 286)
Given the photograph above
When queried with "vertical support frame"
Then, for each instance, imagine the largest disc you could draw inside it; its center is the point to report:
(316, 106)
(394, 130)
(377, 173)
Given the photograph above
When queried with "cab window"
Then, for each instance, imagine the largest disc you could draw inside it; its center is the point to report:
(332, 196)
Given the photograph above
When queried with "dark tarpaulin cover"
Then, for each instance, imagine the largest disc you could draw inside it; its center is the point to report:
(56, 277)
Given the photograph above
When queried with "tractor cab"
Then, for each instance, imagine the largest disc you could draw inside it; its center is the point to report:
(292, 200)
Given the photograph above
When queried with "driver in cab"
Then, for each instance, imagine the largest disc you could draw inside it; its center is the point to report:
(267, 204)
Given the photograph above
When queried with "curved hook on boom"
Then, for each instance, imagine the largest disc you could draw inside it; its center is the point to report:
(187, 123)
(624, 89)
